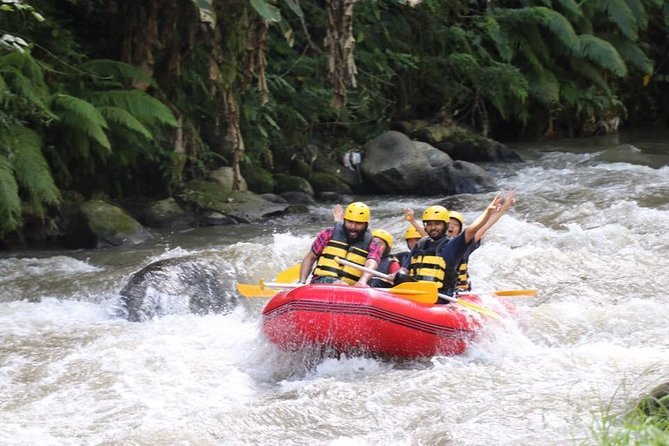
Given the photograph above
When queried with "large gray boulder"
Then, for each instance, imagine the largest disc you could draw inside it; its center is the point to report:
(179, 285)
(395, 164)
(392, 164)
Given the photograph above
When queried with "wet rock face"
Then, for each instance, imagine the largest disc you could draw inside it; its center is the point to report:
(179, 285)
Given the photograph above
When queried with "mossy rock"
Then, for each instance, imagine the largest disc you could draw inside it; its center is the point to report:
(259, 180)
(289, 183)
(204, 197)
(434, 133)
(300, 168)
(327, 182)
(99, 224)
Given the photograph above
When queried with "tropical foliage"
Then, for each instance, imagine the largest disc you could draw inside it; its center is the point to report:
(122, 98)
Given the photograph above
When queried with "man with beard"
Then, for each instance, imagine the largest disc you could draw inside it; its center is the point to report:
(435, 258)
(351, 241)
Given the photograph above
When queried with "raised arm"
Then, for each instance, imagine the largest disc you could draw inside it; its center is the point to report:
(338, 213)
(409, 216)
(507, 202)
(472, 229)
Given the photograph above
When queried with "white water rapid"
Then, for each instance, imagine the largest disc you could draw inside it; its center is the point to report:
(590, 232)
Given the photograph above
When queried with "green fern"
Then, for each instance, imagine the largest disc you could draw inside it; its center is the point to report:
(619, 13)
(545, 87)
(119, 117)
(143, 106)
(504, 87)
(24, 89)
(571, 10)
(633, 56)
(10, 203)
(638, 12)
(81, 116)
(30, 167)
(589, 72)
(603, 54)
(112, 69)
(559, 26)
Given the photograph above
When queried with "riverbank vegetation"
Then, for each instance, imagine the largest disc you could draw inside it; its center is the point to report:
(118, 99)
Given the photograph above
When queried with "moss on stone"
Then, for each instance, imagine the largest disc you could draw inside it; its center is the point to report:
(108, 219)
(259, 180)
(290, 183)
(327, 182)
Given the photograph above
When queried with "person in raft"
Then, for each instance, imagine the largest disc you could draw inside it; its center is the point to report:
(457, 225)
(411, 237)
(352, 241)
(435, 257)
(389, 263)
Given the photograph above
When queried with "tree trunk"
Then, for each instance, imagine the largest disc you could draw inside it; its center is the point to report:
(234, 136)
(339, 42)
(240, 47)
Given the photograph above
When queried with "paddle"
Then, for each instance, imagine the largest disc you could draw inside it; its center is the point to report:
(515, 293)
(289, 275)
(434, 296)
(418, 292)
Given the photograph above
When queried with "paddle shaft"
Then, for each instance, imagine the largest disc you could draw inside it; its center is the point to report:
(376, 273)
(373, 272)
(442, 295)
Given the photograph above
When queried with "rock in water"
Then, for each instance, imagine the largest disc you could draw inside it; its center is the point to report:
(179, 285)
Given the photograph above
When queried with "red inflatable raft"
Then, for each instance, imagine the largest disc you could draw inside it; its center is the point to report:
(345, 319)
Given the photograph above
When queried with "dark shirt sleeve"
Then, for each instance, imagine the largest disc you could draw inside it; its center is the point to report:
(473, 246)
(406, 261)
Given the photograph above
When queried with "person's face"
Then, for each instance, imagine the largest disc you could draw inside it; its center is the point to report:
(411, 242)
(354, 228)
(453, 227)
(382, 244)
(435, 228)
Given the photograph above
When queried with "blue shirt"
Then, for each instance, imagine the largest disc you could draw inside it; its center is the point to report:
(451, 251)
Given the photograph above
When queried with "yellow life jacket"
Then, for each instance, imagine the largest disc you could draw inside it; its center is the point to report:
(338, 246)
(464, 284)
(426, 265)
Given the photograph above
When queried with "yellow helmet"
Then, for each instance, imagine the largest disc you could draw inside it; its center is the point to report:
(385, 236)
(357, 211)
(436, 213)
(459, 217)
(411, 233)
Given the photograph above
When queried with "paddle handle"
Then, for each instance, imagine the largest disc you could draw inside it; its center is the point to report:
(264, 284)
(373, 272)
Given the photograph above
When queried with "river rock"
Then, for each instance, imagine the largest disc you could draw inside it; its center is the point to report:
(206, 197)
(395, 164)
(179, 285)
(98, 224)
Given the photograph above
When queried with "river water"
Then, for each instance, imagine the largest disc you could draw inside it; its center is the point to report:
(590, 231)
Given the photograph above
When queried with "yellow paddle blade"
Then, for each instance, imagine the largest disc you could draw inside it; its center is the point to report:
(421, 292)
(248, 290)
(289, 275)
(510, 293)
(480, 309)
